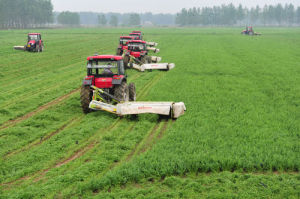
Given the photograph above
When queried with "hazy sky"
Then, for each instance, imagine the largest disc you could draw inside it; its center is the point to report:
(154, 6)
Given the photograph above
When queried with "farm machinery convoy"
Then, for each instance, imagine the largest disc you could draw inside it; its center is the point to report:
(105, 88)
(34, 43)
(135, 52)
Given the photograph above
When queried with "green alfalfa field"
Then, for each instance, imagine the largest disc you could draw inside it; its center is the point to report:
(239, 138)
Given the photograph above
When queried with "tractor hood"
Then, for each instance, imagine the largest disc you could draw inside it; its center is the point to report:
(32, 42)
(138, 54)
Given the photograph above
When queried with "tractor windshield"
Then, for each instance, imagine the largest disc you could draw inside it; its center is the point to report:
(138, 36)
(136, 47)
(99, 67)
(123, 41)
(32, 37)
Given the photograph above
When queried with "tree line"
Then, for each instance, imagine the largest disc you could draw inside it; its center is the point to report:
(268, 15)
(25, 13)
(126, 19)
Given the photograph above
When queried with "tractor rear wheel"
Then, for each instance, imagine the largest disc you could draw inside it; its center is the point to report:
(132, 92)
(85, 98)
(121, 92)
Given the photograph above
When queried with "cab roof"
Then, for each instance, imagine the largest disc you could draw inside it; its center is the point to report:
(34, 33)
(126, 37)
(135, 33)
(136, 41)
(111, 57)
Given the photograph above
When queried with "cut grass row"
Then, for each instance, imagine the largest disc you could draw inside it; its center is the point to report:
(243, 111)
(236, 120)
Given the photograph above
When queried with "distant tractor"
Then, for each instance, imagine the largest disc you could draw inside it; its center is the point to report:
(137, 50)
(249, 31)
(106, 72)
(123, 44)
(137, 36)
(34, 43)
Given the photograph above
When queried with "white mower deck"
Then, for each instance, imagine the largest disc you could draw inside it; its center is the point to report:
(174, 110)
(154, 66)
(19, 47)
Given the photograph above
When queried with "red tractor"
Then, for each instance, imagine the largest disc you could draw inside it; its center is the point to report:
(107, 73)
(34, 43)
(123, 44)
(137, 49)
(249, 31)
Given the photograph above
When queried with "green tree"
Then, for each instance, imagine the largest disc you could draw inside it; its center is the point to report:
(279, 13)
(68, 18)
(114, 21)
(102, 20)
(134, 19)
(298, 15)
(290, 13)
(240, 13)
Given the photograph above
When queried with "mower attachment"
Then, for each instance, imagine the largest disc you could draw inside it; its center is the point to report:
(156, 66)
(19, 48)
(155, 50)
(151, 43)
(174, 110)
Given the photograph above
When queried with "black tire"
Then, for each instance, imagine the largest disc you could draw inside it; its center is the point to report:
(132, 92)
(144, 60)
(42, 48)
(149, 59)
(119, 51)
(85, 98)
(121, 92)
(126, 61)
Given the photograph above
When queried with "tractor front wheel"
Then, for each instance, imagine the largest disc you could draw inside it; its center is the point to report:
(121, 92)
(85, 98)
(119, 51)
(126, 61)
(132, 92)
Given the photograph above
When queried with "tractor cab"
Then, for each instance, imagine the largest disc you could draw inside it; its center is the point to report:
(137, 31)
(137, 36)
(34, 37)
(104, 71)
(34, 42)
(123, 44)
(137, 48)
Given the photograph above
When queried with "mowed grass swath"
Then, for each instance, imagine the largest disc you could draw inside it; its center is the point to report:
(242, 97)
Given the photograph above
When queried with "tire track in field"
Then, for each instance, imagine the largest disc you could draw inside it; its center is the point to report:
(38, 110)
(88, 146)
(32, 78)
(148, 86)
(33, 93)
(78, 153)
(158, 129)
(43, 139)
